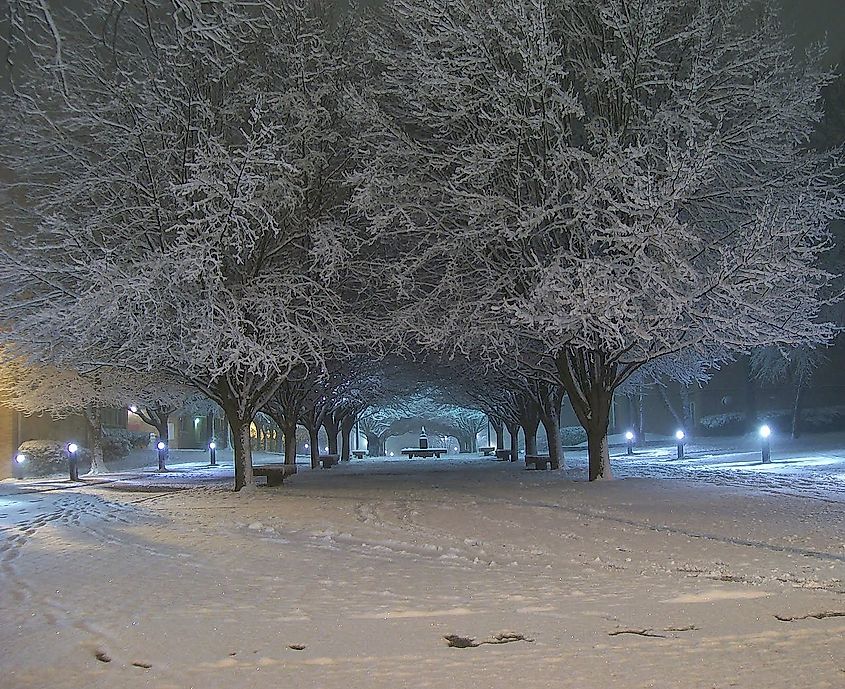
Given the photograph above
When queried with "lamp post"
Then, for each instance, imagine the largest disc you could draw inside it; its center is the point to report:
(765, 432)
(212, 453)
(73, 461)
(161, 447)
(629, 441)
(680, 436)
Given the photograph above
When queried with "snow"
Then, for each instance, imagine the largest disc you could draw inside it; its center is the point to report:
(354, 576)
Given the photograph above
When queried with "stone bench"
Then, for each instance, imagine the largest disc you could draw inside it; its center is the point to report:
(275, 473)
(487, 451)
(539, 461)
(423, 452)
(328, 461)
(359, 454)
(504, 455)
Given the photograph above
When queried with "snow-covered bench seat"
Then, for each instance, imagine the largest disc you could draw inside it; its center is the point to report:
(504, 455)
(275, 473)
(328, 461)
(423, 452)
(539, 461)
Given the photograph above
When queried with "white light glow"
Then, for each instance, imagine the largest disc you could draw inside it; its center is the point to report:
(212, 446)
(765, 431)
(629, 435)
(306, 446)
(680, 435)
(161, 445)
(133, 409)
(391, 454)
(456, 449)
(72, 448)
(20, 459)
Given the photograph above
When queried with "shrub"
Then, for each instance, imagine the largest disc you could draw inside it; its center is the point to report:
(573, 435)
(819, 419)
(118, 442)
(43, 458)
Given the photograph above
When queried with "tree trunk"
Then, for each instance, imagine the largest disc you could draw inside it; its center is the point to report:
(552, 428)
(346, 427)
(530, 439)
(599, 454)
(157, 417)
(331, 427)
(163, 436)
(797, 409)
(242, 449)
(676, 413)
(530, 422)
(314, 445)
(513, 432)
(589, 381)
(641, 418)
(499, 430)
(289, 432)
(374, 448)
(688, 407)
(751, 411)
(93, 415)
(551, 399)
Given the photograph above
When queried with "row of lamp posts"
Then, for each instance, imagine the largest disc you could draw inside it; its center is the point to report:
(764, 431)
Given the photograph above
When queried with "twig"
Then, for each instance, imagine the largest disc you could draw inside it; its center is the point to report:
(813, 615)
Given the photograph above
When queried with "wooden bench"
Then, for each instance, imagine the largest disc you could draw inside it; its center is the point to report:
(359, 454)
(487, 451)
(328, 461)
(275, 473)
(539, 461)
(504, 455)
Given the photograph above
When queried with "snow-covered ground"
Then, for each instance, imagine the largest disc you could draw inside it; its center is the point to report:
(714, 571)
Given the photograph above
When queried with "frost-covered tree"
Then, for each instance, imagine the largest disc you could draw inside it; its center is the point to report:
(40, 389)
(155, 410)
(620, 179)
(176, 202)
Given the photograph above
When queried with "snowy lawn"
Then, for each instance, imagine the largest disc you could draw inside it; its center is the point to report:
(463, 572)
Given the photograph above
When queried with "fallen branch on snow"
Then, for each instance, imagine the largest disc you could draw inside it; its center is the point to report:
(813, 615)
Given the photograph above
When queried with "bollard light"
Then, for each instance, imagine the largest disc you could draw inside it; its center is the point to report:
(73, 461)
(161, 446)
(765, 433)
(680, 436)
(19, 465)
(629, 441)
(212, 453)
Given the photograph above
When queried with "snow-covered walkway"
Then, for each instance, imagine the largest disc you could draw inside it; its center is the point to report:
(731, 575)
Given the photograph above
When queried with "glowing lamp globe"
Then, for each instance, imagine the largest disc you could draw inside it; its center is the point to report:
(765, 431)
(20, 459)
(161, 445)
(680, 435)
(72, 448)
(629, 435)
(212, 446)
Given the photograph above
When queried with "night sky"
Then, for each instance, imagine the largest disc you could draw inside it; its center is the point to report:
(814, 20)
